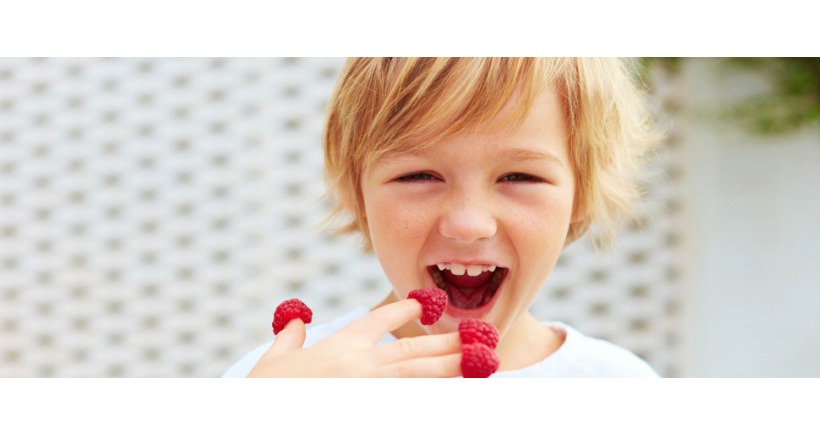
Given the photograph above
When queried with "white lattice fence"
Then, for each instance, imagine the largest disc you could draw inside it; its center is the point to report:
(154, 211)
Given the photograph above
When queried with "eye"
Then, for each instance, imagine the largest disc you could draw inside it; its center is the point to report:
(520, 178)
(416, 177)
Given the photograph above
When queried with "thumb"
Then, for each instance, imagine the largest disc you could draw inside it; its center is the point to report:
(291, 338)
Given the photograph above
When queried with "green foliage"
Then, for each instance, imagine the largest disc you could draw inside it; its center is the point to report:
(793, 103)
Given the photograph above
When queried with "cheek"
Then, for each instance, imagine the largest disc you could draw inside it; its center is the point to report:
(544, 215)
(397, 232)
(540, 235)
(393, 224)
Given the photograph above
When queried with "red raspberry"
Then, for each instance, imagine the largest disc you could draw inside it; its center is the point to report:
(478, 361)
(288, 310)
(474, 331)
(433, 302)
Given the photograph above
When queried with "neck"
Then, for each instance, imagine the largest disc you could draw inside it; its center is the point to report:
(526, 343)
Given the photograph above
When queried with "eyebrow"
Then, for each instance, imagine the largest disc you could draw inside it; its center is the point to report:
(523, 155)
(513, 154)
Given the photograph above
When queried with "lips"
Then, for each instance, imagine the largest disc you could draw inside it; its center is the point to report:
(467, 291)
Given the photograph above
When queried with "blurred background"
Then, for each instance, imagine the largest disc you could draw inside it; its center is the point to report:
(153, 213)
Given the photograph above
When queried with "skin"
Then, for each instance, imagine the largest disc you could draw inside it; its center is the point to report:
(351, 352)
(501, 198)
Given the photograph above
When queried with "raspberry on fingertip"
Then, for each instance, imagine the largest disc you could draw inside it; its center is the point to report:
(433, 302)
(473, 331)
(478, 361)
(289, 310)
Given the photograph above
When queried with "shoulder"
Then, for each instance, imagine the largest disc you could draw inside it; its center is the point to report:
(585, 356)
(245, 364)
(595, 357)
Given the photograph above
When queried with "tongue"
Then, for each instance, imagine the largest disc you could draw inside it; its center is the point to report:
(468, 292)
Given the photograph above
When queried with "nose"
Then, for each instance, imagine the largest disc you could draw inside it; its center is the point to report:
(467, 219)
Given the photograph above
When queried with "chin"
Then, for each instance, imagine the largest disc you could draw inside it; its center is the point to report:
(454, 315)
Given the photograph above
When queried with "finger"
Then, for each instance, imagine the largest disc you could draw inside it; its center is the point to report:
(419, 346)
(291, 338)
(439, 366)
(384, 320)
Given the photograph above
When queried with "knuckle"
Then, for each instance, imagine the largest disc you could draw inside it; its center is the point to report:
(401, 371)
(376, 318)
(407, 347)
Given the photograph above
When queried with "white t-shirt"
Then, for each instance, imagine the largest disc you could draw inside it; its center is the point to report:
(578, 356)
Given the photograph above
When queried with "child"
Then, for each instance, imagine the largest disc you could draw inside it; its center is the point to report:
(470, 175)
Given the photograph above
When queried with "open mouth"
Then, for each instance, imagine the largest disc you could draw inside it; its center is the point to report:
(468, 287)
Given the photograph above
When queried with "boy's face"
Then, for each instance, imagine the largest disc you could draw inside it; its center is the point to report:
(483, 216)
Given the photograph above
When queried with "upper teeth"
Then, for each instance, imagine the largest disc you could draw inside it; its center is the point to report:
(459, 269)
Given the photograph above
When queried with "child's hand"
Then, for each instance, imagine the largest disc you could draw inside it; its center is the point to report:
(352, 351)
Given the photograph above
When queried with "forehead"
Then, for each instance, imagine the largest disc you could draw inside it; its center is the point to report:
(524, 111)
(411, 104)
(538, 132)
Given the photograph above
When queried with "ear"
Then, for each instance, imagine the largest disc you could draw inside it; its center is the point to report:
(578, 215)
(579, 212)
(347, 199)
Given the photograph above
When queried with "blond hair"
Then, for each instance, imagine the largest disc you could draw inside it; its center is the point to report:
(388, 105)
